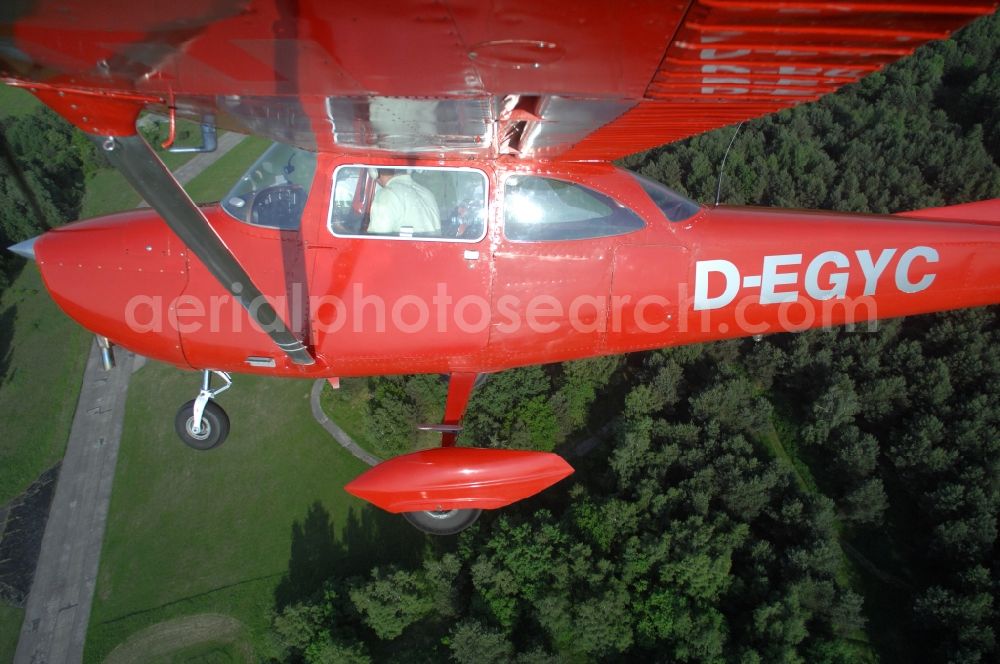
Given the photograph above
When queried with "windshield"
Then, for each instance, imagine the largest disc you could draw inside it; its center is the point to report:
(674, 206)
(273, 191)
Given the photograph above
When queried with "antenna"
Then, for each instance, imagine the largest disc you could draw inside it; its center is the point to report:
(722, 168)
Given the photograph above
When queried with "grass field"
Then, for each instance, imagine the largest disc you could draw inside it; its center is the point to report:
(14, 102)
(10, 627)
(42, 355)
(218, 179)
(108, 191)
(222, 653)
(232, 530)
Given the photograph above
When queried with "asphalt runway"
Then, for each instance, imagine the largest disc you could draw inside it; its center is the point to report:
(58, 606)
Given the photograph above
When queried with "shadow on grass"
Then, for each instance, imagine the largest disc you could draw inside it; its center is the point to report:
(369, 537)
(7, 317)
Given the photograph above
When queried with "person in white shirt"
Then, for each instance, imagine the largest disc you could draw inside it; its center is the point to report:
(401, 206)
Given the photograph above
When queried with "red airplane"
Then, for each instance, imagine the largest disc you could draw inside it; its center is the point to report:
(441, 197)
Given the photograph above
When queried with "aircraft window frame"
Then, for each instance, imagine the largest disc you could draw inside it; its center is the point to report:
(678, 203)
(367, 236)
(246, 190)
(608, 201)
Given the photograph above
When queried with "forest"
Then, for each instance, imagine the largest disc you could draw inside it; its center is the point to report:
(43, 168)
(830, 496)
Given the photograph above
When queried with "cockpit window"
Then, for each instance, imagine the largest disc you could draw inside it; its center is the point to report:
(538, 209)
(273, 192)
(674, 206)
(443, 204)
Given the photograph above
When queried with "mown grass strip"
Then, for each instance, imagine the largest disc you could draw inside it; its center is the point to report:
(42, 355)
(220, 177)
(10, 628)
(15, 102)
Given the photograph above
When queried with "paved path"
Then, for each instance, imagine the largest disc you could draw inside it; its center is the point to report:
(58, 607)
(338, 434)
(193, 168)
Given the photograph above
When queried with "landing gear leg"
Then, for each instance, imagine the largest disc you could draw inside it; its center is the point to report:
(449, 522)
(202, 423)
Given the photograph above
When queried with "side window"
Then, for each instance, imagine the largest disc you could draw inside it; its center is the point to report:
(673, 206)
(409, 203)
(273, 192)
(538, 209)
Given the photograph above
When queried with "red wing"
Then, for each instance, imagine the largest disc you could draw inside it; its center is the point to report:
(590, 80)
(733, 60)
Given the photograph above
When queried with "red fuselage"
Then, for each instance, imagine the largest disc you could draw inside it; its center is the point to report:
(373, 305)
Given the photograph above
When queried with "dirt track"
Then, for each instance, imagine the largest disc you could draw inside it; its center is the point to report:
(172, 635)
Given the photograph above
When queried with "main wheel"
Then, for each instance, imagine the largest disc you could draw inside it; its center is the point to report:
(447, 522)
(214, 426)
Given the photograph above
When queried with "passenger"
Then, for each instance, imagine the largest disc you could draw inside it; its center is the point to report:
(402, 203)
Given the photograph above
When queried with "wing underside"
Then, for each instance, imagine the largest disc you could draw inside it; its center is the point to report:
(591, 81)
(733, 60)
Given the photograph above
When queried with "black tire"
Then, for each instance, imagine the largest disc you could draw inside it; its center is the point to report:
(215, 426)
(448, 522)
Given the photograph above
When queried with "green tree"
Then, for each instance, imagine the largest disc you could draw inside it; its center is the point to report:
(473, 643)
(512, 410)
(392, 600)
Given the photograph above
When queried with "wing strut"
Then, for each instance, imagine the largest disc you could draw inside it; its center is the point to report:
(460, 386)
(143, 169)
(109, 120)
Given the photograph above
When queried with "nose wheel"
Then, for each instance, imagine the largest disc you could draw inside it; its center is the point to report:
(201, 423)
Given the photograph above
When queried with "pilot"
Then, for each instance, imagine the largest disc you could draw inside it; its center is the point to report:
(403, 206)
